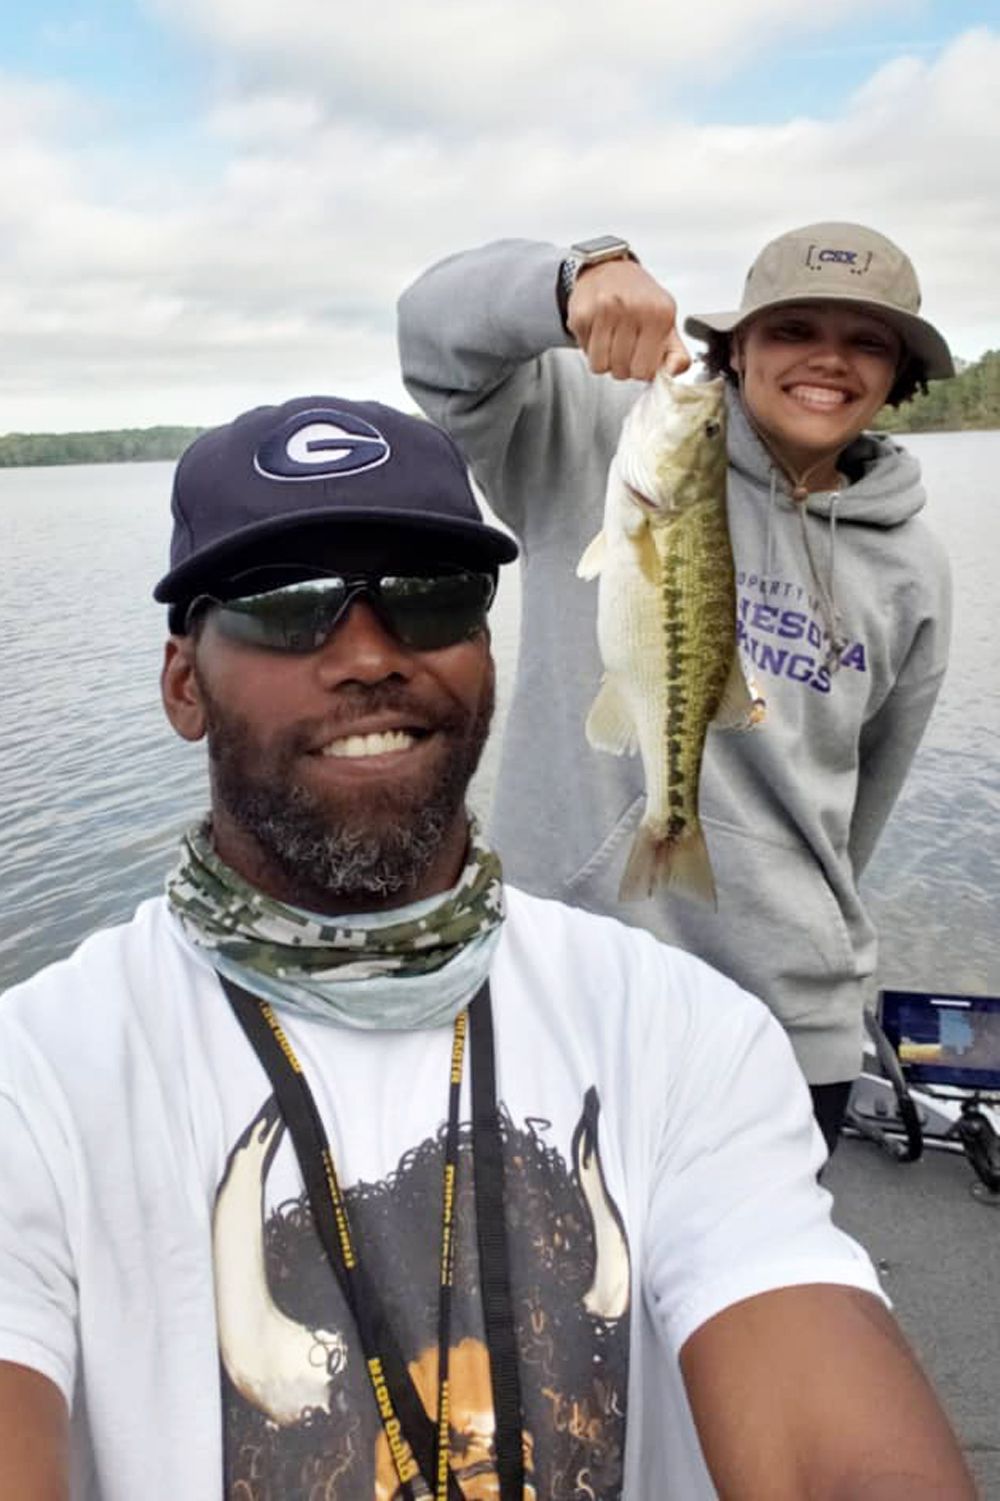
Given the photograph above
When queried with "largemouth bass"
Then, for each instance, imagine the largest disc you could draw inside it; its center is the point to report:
(666, 622)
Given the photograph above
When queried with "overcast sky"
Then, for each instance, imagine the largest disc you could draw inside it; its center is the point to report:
(210, 203)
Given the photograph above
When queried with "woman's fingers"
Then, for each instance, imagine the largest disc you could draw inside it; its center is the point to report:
(625, 322)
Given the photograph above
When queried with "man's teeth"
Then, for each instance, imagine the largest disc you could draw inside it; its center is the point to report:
(818, 396)
(369, 745)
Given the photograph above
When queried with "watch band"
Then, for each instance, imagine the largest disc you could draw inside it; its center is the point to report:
(586, 253)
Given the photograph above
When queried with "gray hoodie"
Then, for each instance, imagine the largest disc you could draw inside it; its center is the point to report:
(793, 809)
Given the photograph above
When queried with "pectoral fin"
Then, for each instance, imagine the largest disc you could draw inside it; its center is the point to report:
(740, 707)
(610, 726)
(592, 561)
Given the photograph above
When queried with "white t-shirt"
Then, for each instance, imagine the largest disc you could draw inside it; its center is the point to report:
(158, 1262)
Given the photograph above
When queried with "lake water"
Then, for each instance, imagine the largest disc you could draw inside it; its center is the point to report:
(95, 787)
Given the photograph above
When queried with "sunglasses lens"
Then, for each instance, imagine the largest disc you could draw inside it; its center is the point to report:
(424, 613)
(297, 618)
(429, 613)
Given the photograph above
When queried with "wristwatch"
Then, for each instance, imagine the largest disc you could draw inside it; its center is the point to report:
(588, 253)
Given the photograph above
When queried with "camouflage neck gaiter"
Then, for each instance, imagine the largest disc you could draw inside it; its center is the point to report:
(408, 967)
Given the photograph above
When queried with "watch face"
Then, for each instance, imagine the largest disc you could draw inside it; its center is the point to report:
(602, 245)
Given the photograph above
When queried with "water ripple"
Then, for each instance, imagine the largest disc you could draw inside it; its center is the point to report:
(96, 787)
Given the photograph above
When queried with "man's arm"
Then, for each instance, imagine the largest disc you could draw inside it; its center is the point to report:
(38, 1302)
(800, 1384)
(34, 1436)
(811, 1394)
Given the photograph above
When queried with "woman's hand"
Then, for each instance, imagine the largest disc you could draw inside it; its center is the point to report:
(625, 322)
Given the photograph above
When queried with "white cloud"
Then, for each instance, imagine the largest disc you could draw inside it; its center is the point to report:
(471, 62)
(271, 265)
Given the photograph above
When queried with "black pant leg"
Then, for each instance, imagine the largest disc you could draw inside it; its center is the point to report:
(829, 1107)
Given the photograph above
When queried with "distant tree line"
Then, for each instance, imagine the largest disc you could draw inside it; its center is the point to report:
(970, 400)
(127, 445)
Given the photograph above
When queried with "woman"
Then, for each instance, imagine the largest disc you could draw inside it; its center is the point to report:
(843, 594)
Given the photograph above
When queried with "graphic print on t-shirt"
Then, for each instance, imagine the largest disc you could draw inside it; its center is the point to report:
(299, 1417)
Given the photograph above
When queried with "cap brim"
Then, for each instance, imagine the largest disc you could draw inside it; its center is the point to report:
(921, 338)
(473, 540)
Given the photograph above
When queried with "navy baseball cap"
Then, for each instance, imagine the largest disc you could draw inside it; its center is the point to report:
(318, 462)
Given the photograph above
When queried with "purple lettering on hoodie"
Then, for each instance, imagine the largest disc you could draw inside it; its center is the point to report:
(771, 659)
(764, 618)
(800, 668)
(855, 657)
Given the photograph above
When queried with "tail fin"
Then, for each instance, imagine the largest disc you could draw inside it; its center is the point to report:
(680, 865)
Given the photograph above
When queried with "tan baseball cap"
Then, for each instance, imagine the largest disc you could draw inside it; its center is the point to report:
(837, 263)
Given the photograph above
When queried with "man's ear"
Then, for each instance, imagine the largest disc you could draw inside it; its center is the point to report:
(179, 688)
(736, 352)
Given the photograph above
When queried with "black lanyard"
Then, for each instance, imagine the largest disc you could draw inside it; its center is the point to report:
(419, 1448)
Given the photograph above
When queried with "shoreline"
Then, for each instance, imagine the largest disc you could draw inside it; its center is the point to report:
(170, 453)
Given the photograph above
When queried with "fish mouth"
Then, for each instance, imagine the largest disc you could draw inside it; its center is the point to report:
(642, 501)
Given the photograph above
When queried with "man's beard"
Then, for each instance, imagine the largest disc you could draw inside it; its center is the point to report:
(375, 844)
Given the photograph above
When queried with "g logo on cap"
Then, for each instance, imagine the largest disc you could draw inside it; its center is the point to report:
(318, 443)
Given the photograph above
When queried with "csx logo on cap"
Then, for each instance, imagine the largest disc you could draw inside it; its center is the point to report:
(857, 261)
(318, 443)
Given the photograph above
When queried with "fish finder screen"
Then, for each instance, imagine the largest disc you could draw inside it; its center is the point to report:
(944, 1039)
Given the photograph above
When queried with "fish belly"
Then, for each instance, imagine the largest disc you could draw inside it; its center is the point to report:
(631, 706)
(666, 629)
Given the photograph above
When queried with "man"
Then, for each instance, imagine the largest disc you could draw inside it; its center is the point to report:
(343, 1169)
(531, 356)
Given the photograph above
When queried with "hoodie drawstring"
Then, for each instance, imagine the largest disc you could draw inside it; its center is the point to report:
(799, 493)
(826, 592)
(772, 501)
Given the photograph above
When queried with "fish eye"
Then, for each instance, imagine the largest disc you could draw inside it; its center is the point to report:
(713, 429)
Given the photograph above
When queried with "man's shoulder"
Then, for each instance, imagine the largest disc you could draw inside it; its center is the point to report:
(524, 907)
(656, 1021)
(604, 951)
(99, 975)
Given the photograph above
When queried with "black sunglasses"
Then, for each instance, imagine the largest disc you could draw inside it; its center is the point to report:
(423, 611)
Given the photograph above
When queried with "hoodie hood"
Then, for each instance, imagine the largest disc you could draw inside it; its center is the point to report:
(886, 487)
